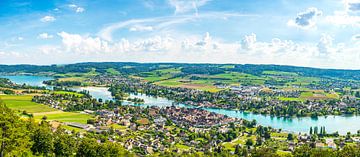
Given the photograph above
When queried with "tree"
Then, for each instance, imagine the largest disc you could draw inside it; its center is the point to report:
(64, 144)
(322, 153)
(259, 141)
(43, 140)
(315, 130)
(311, 130)
(87, 147)
(238, 150)
(264, 152)
(249, 142)
(302, 151)
(290, 137)
(14, 137)
(349, 150)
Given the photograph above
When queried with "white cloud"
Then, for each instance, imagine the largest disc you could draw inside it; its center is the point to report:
(72, 5)
(204, 44)
(162, 22)
(184, 6)
(349, 16)
(48, 18)
(156, 43)
(356, 37)
(248, 42)
(140, 28)
(325, 44)
(20, 38)
(83, 44)
(204, 48)
(80, 10)
(306, 19)
(76, 8)
(45, 36)
(342, 18)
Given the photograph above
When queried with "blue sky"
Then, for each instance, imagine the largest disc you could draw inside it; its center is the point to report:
(322, 33)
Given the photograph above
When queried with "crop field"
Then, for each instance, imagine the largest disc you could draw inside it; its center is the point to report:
(24, 103)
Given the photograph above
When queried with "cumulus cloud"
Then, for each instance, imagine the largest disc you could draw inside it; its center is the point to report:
(325, 44)
(248, 41)
(204, 44)
(184, 6)
(306, 19)
(343, 18)
(45, 36)
(83, 44)
(349, 16)
(48, 18)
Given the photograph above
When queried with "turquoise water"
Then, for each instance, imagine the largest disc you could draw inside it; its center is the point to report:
(96, 92)
(28, 80)
(342, 124)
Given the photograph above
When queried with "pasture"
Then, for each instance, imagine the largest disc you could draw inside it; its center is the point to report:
(24, 103)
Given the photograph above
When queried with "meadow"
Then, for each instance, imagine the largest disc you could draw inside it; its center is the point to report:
(22, 103)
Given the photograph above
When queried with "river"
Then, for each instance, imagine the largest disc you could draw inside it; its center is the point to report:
(342, 124)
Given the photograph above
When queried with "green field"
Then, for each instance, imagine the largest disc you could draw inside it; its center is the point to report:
(159, 75)
(64, 116)
(23, 102)
(68, 93)
(112, 71)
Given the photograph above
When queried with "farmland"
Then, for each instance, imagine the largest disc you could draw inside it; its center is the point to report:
(23, 103)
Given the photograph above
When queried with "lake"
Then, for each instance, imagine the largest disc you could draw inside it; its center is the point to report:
(342, 124)
(28, 80)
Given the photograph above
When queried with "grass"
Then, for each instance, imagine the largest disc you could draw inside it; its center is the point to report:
(318, 94)
(143, 121)
(24, 103)
(72, 79)
(280, 73)
(112, 71)
(72, 128)
(290, 99)
(159, 75)
(68, 93)
(181, 146)
(64, 116)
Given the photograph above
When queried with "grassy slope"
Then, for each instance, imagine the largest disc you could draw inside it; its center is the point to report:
(23, 102)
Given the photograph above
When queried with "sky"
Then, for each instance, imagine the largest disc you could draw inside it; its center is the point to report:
(321, 33)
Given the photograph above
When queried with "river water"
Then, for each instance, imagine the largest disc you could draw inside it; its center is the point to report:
(342, 124)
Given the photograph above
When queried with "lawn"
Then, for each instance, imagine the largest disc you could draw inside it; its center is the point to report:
(23, 102)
